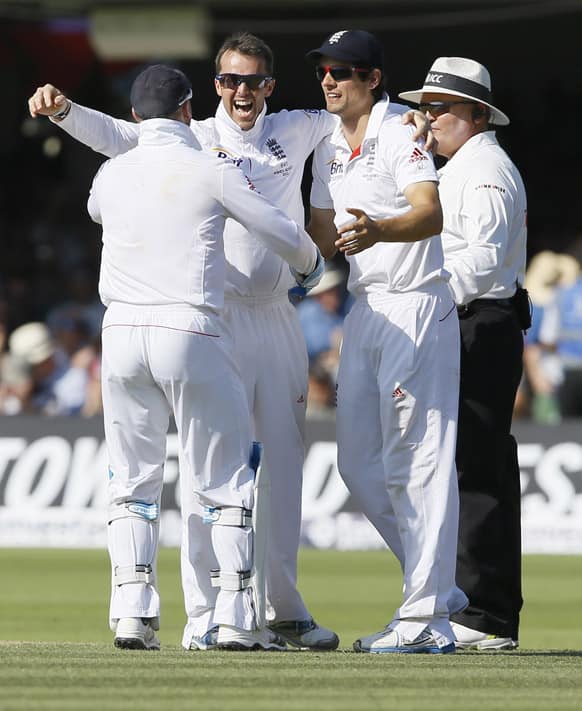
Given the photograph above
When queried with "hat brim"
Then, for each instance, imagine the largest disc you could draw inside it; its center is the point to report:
(39, 353)
(329, 280)
(498, 118)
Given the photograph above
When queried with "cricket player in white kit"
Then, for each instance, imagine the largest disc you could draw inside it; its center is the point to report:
(269, 345)
(398, 378)
(166, 351)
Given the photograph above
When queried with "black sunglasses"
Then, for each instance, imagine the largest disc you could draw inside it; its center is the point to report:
(233, 81)
(338, 73)
(438, 108)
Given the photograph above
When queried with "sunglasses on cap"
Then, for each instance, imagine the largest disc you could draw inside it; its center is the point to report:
(338, 73)
(233, 81)
(186, 98)
(438, 108)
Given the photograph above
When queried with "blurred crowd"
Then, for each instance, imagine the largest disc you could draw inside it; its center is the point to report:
(551, 387)
(51, 364)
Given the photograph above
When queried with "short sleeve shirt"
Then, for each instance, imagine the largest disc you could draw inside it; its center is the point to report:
(373, 178)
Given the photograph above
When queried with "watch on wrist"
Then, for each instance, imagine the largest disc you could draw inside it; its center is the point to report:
(63, 113)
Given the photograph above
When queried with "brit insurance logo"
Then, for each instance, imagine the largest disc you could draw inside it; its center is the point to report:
(336, 167)
(223, 154)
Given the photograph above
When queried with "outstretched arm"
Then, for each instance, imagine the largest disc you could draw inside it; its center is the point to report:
(267, 222)
(103, 133)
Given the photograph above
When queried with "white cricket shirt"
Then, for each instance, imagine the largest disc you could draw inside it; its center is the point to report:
(163, 206)
(272, 153)
(373, 179)
(485, 230)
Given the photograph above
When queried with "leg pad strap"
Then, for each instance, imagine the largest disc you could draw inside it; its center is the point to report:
(230, 581)
(124, 574)
(228, 516)
(134, 509)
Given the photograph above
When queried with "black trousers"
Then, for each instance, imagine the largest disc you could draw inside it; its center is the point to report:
(489, 551)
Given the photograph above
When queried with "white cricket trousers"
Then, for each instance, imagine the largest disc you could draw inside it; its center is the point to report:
(398, 387)
(158, 362)
(270, 351)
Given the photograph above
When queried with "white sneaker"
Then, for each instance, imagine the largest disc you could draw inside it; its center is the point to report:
(390, 642)
(135, 633)
(237, 640)
(466, 638)
(306, 635)
(206, 642)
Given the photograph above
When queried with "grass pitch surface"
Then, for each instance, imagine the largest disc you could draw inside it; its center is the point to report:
(57, 651)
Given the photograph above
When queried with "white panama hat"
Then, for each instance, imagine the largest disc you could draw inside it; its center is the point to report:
(331, 278)
(461, 77)
(32, 343)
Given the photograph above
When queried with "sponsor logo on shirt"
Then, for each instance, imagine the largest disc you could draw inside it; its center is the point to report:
(398, 394)
(226, 155)
(336, 167)
(416, 156)
(490, 186)
(250, 183)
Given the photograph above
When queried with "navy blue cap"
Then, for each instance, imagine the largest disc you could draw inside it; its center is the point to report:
(358, 47)
(159, 91)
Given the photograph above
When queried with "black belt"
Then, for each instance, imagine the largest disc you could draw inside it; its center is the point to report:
(479, 304)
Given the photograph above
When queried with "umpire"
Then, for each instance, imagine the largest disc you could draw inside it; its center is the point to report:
(484, 241)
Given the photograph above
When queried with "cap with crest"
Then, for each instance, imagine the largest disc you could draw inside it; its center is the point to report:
(358, 47)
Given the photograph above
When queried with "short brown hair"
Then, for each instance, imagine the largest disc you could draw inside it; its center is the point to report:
(249, 44)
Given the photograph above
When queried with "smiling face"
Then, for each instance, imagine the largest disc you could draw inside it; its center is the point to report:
(242, 104)
(349, 98)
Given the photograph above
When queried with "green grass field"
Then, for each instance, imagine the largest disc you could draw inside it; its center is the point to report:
(57, 650)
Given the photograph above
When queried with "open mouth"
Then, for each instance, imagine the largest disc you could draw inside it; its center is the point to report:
(243, 108)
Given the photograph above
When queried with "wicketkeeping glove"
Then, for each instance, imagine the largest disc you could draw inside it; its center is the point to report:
(308, 281)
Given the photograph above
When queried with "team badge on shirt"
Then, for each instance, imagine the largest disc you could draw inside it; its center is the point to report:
(277, 151)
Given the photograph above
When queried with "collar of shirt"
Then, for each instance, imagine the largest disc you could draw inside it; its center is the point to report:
(160, 131)
(227, 124)
(465, 152)
(379, 111)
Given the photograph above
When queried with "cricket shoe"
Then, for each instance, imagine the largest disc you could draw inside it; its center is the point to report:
(237, 640)
(135, 633)
(390, 642)
(306, 635)
(206, 642)
(467, 638)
